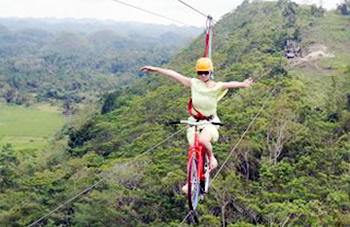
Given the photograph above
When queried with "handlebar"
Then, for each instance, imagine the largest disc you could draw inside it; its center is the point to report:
(174, 122)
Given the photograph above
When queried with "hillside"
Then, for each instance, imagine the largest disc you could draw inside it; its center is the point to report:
(326, 57)
(70, 62)
(291, 169)
(88, 26)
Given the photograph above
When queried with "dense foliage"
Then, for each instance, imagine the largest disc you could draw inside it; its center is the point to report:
(38, 65)
(344, 7)
(291, 169)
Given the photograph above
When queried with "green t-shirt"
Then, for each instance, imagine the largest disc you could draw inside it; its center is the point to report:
(205, 99)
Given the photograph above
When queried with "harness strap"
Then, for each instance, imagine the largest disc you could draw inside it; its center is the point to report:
(199, 115)
(207, 36)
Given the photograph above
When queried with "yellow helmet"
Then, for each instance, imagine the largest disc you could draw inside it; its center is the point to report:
(204, 64)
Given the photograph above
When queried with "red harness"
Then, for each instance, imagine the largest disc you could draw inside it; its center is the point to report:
(198, 116)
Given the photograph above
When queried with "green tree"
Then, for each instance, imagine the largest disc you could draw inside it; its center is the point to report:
(8, 163)
(344, 8)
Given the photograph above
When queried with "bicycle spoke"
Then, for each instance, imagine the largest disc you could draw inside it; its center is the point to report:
(193, 183)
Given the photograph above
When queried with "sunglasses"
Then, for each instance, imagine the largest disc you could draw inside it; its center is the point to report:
(203, 73)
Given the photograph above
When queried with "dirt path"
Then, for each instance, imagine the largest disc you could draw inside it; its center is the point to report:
(314, 53)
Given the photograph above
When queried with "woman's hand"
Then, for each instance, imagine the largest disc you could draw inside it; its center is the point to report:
(149, 68)
(248, 82)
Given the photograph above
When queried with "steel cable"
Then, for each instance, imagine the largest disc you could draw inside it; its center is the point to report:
(203, 14)
(100, 181)
(150, 12)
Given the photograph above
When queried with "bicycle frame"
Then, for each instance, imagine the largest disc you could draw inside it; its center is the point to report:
(200, 151)
(198, 166)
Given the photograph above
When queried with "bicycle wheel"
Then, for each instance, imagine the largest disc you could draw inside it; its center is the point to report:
(193, 182)
(206, 172)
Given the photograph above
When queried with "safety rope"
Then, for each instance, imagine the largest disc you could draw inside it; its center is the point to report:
(100, 181)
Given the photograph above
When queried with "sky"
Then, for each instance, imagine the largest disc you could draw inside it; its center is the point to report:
(111, 9)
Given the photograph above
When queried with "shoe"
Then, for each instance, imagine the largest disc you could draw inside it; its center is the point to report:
(184, 189)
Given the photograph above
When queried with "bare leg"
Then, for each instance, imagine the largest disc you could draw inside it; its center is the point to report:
(205, 139)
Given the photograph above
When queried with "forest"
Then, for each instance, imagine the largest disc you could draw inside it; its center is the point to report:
(118, 162)
(71, 62)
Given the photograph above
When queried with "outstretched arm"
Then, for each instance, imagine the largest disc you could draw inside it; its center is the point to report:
(234, 84)
(169, 73)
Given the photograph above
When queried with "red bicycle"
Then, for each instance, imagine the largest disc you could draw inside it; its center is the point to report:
(198, 166)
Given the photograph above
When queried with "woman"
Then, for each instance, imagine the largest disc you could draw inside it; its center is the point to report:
(205, 94)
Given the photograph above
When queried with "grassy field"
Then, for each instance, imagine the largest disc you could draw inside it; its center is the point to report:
(28, 127)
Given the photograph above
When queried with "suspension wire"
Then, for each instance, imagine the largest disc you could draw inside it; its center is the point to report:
(150, 12)
(203, 14)
(242, 136)
(65, 203)
(192, 8)
(100, 181)
(183, 221)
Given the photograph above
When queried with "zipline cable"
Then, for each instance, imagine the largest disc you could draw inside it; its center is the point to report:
(150, 12)
(242, 136)
(183, 221)
(203, 14)
(100, 181)
(65, 203)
